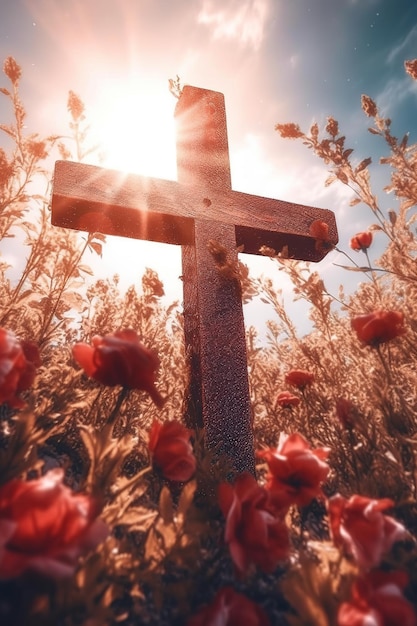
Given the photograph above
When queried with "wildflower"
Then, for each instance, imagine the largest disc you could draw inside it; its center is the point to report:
(319, 230)
(230, 608)
(151, 284)
(286, 399)
(255, 531)
(295, 471)
(332, 126)
(361, 241)
(379, 327)
(289, 131)
(37, 149)
(368, 106)
(378, 599)
(411, 68)
(299, 378)
(6, 169)
(360, 526)
(75, 106)
(45, 527)
(120, 359)
(18, 363)
(169, 445)
(12, 70)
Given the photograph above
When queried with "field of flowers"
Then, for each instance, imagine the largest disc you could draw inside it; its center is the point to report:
(112, 511)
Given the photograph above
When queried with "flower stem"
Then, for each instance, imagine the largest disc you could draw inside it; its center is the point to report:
(111, 420)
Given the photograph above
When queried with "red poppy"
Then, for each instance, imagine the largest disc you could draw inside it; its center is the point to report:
(319, 230)
(299, 378)
(361, 241)
(45, 527)
(286, 399)
(361, 528)
(18, 363)
(120, 359)
(255, 531)
(378, 327)
(295, 471)
(171, 450)
(230, 608)
(378, 599)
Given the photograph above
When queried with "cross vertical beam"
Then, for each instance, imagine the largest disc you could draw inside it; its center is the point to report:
(218, 397)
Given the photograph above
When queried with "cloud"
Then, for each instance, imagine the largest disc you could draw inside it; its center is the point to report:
(364, 2)
(394, 93)
(410, 38)
(243, 21)
(294, 61)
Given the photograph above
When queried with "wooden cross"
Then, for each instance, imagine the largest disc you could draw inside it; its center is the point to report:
(205, 216)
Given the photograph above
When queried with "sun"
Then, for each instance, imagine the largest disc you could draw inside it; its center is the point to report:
(135, 125)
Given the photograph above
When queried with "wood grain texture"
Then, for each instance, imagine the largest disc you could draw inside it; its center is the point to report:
(214, 327)
(90, 198)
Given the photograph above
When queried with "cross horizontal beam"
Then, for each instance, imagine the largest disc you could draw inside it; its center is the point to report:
(93, 199)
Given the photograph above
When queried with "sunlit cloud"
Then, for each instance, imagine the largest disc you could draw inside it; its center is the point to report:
(394, 93)
(243, 21)
(364, 2)
(410, 38)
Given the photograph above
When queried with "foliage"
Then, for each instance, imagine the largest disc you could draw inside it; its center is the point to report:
(166, 555)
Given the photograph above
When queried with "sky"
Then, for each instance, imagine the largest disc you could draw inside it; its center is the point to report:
(275, 61)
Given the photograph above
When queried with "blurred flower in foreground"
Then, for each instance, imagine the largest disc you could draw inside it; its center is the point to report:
(295, 471)
(345, 411)
(120, 359)
(45, 527)
(18, 363)
(286, 399)
(171, 450)
(255, 531)
(299, 378)
(360, 526)
(378, 600)
(361, 241)
(230, 608)
(378, 327)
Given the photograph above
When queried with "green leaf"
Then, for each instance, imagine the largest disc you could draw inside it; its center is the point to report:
(363, 268)
(166, 507)
(330, 180)
(310, 592)
(138, 518)
(97, 247)
(363, 164)
(186, 497)
(86, 269)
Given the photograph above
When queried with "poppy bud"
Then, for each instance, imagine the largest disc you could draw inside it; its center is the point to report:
(361, 241)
